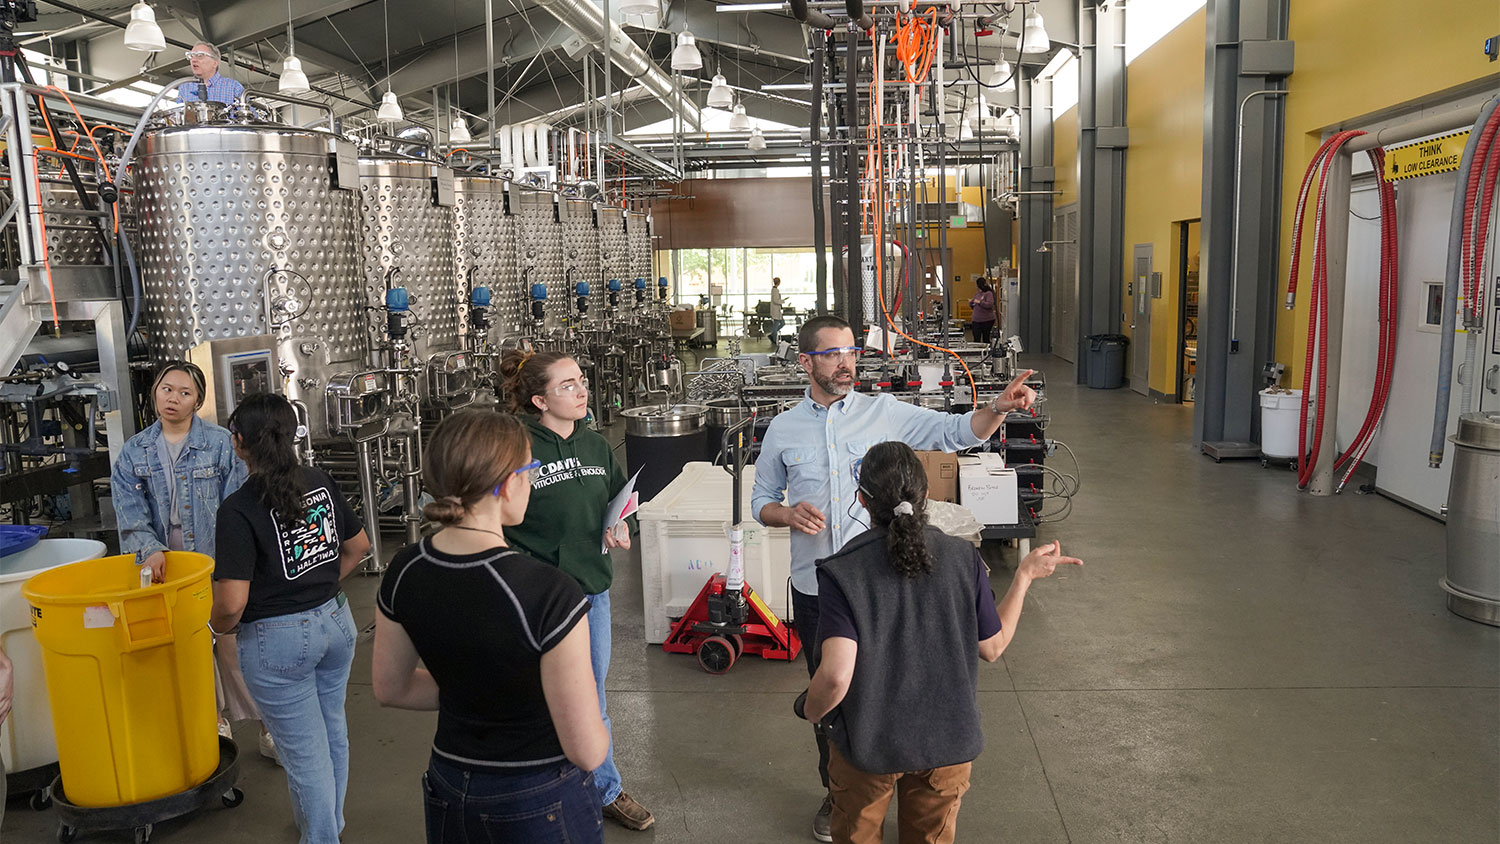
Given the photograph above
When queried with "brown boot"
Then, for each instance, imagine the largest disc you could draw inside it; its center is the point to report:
(628, 813)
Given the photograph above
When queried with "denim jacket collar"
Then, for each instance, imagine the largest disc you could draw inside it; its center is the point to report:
(197, 437)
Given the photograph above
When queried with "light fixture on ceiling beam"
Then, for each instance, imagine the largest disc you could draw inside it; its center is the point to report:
(719, 95)
(1034, 35)
(757, 141)
(293, 80)
(143, 34)
(685, 55)
(390, 106)
(739, 121)
(459, 134)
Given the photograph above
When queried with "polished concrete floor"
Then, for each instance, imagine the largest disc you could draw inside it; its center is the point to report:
(1236, 662)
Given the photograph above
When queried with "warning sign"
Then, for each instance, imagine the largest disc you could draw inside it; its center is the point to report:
(1434, 155)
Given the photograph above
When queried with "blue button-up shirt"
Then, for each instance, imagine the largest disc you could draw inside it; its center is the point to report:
(221, 89)
(808, 454)
(205, 474)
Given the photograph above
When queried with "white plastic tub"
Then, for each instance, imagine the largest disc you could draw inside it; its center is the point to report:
(26, 739)
(1278, 423)
(685, 539)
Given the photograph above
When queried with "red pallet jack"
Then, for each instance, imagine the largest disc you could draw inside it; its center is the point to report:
(728, 619)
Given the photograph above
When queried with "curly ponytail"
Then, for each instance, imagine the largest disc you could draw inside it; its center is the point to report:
(524, 375)
(267, 427)
(895, 489)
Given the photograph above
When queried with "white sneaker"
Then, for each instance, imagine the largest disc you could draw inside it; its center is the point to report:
(225, 730)
(268, 748)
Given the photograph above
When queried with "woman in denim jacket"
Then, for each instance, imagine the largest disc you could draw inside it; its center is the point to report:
(160, 510)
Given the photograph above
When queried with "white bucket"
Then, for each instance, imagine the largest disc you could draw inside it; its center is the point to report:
(1278, 423)
(26, 739)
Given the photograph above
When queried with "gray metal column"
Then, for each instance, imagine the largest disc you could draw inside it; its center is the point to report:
(1246, 52)
(1035, 98)
(1102, 141)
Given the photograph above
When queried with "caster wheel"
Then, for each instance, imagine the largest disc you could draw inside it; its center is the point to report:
(1264, 463)
(739, 644)
(143, 834)
(41, 800)
(233, 798)
(715, 654)
(66, 834)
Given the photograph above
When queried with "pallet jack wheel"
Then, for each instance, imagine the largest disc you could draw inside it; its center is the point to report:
(716, 654)
(739, 644)
(232, 798)
(66, 834)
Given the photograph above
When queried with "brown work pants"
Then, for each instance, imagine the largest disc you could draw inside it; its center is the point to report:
(926, 802)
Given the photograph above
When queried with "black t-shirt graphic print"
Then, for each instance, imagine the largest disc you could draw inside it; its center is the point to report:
(290, 569)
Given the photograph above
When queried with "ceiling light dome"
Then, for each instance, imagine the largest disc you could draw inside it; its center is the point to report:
(390, 108)
(739, 121)
(142, 33)
(293, 80)
(719, 95)
(686, 55)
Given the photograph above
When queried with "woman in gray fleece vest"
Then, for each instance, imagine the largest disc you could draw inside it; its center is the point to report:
(905, 614)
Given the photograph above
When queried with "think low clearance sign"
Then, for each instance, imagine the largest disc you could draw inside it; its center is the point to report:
(1423, 158)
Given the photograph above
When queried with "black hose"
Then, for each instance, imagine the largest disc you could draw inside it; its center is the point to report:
(813, 19)
(854, 278)
(857, 15)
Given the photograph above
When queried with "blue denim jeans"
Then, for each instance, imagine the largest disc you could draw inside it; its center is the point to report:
(554, 804)
(607, 776)
(297, 669)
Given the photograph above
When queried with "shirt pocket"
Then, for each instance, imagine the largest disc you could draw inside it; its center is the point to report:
(206, 484)
(142, 477)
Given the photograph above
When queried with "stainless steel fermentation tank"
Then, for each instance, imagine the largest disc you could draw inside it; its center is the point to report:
(249, 258)
(407, 207)
(485, 254)
(539, 236)
(1472, 580)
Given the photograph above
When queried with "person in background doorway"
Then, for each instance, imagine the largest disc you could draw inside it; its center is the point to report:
(498, 644)
(168, 485)
(778, 319)
(285, 541)
(210, 86)
(803, 477)
(905, 614)
(570, 490)
(983, 303)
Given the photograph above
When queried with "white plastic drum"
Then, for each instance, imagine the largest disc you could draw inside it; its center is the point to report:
(26, 740)
(1279, 409)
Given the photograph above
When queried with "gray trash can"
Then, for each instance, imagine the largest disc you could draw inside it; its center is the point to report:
(1104, 369)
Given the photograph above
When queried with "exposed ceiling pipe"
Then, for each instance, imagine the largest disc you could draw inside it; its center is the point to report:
(587, 19)
(815, 20)
(857, 14)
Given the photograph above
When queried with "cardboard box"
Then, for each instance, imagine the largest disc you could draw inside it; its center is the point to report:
(684, 320)
(942, 475)
(988, 489)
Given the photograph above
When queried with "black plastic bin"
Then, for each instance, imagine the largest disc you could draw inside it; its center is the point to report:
(1105, 367)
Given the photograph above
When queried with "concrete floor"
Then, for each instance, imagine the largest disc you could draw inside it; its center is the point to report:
(1237, 662)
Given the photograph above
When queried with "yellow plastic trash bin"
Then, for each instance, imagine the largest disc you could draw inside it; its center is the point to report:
(130, 676)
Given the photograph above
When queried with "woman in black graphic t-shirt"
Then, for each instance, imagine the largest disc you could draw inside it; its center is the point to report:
(506, 640)
(284, 542)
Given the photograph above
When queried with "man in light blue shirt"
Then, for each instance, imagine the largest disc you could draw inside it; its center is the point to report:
(204, 60)
(808, 457)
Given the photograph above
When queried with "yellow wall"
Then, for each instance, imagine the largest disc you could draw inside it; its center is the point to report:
(1340, 79)
(1163, 178)
(1065, 157)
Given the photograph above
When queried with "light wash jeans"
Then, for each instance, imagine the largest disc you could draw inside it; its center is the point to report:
(297, 669)
(607, 776)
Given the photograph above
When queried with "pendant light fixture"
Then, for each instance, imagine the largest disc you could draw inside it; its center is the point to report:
(293, 80)
(390, 106)
(739, 121)
(1035, 34)
(143, 34)
(686, 56)
(719, 95)
(1002, 78)
(757, 141)
(459, 134)
(639, 7)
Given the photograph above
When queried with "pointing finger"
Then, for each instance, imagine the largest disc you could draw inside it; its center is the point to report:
(1019, 379)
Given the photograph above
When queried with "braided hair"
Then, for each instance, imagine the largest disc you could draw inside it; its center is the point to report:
(895, 490)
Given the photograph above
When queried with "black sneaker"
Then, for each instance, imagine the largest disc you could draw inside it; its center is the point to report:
(823, 821)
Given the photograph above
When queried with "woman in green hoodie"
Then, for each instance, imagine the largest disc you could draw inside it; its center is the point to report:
(578, 477)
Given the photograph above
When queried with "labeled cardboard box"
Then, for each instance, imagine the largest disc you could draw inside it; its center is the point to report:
(988, 489)
(684, 320)
(942, 475)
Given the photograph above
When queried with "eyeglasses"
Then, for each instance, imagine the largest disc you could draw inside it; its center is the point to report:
(842, 353)
(524, 470)
(571, 387)
(198, 54)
